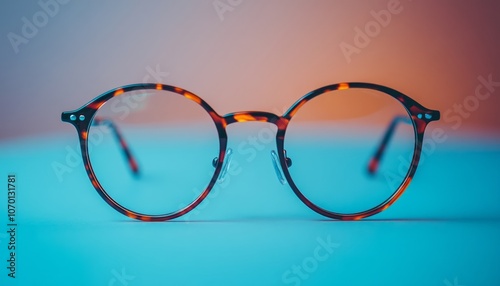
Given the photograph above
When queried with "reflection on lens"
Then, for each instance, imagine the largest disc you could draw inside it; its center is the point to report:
(333, 140)
(152, 150)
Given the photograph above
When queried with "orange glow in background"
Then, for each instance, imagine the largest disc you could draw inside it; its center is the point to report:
(258, 55)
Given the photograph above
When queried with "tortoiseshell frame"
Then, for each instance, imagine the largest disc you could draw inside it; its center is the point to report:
(82, 118)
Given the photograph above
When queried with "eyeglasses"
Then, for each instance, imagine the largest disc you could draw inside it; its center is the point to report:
(348, 151)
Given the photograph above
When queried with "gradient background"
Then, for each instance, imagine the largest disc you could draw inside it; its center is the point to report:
(260, 55)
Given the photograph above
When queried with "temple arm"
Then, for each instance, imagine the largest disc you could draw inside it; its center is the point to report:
(375, 160)
(118, 136)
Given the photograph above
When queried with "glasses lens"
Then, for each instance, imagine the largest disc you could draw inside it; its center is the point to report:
(153, 150)
(333, 141)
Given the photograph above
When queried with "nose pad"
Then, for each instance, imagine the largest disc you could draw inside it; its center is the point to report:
(277, 168)
(225, 165)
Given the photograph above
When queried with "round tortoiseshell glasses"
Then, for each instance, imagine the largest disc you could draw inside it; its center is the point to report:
(153, 152)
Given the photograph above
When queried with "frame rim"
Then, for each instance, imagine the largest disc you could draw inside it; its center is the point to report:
(89, 110)
(419, 120)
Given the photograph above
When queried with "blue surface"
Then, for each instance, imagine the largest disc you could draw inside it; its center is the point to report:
(251, 230)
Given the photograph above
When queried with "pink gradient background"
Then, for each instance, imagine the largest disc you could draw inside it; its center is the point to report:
(262, 55)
